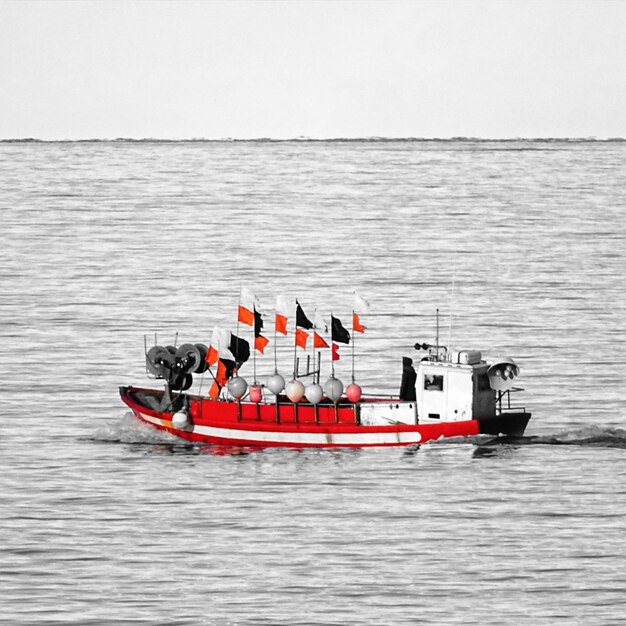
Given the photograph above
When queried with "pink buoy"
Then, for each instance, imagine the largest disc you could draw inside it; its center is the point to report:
(256, 393)
(353, 393)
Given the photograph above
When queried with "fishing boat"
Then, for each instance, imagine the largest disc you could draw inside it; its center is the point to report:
(450, 393)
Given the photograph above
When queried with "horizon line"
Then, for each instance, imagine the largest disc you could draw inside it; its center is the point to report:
(301, 139)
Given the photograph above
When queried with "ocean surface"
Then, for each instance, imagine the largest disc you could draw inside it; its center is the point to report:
(521, 245)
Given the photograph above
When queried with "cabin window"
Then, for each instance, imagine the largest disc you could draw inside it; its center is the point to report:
(433, 382)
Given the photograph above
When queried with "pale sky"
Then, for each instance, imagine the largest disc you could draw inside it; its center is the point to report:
(529, 68)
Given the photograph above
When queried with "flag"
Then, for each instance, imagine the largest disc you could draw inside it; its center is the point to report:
(360, 305)
(258, 323)
(319, 321)
(259, 341)
(338, 332)
(240, 348)
(301, 319)
(231, 368)
(245, 313)
(356, 323)
(335, 352)
(219, 346)
(211, 355)
(318, 341)
(301, 337)
(244, 316)
(225, 369)
(282, 314)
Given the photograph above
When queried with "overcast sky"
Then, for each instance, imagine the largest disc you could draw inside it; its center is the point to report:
(530, 68)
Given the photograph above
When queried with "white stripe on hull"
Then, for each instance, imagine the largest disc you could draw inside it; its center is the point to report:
(295, 438)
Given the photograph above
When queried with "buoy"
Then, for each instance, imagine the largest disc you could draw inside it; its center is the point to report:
(276, 383)
(294, 390)
(180, 420)
(237, 387)
(256, 393)
(353, 393)
(313, 393)
(333, 388)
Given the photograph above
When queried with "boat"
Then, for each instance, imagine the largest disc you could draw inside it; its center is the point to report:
(451, 393)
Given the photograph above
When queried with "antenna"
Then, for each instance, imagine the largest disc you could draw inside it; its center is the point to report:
(450, 325)
(437, 337)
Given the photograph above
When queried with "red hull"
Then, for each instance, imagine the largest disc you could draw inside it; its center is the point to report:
(285, 424)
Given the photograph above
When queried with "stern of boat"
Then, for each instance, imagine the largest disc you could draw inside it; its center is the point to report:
(506, 423)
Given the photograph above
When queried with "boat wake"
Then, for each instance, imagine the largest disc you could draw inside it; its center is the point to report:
(132, 430)
(588, 436)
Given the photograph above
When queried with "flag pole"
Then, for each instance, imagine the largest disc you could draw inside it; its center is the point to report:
(353, 335)
(332, 358)
(295, 335)
(237, 343)
(254, 350)
(275, 337)
(316, 353)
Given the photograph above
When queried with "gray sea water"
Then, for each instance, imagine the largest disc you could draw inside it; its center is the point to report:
(520, 245)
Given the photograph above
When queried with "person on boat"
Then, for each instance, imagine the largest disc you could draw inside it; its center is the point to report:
(409, 376)
(433, 383)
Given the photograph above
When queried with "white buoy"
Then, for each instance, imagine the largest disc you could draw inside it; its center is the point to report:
(237, 387)
(294, 390)
(180, 420)
(333, 388)
(275, 383)
(313, 393)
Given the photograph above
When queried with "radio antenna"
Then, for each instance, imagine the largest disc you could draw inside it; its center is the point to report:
(450, 324)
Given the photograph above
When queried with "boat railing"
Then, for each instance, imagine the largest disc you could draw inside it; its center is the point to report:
(503, 401)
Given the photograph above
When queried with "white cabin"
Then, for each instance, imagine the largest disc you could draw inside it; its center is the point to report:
(461, 387)
(455, 390)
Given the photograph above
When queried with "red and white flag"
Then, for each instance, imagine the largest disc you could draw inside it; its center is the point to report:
(219, 346)
(259, 340)
(319, 341)
(245, 313)
(319, 323)
(282, 315)
(360, 307)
